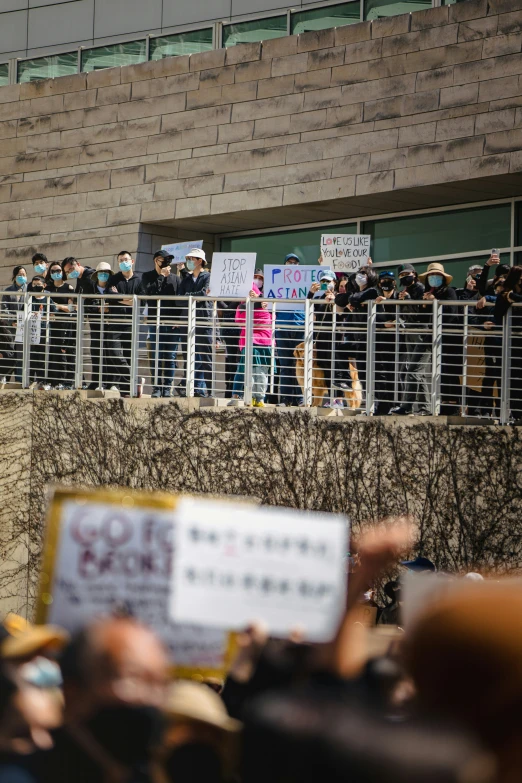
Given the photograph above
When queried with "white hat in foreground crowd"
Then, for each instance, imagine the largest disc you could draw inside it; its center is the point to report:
(196, 253)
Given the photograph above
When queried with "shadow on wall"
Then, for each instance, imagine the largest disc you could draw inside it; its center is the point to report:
(463, 484)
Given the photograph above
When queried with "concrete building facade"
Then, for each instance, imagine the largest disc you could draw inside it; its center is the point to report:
(402, 118)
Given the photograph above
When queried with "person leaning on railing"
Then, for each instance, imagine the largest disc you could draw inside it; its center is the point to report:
(97, 311)
(61, 341)
(12, 304)
(385, 344)
(323, 296)
(196, 284)
(510, 295)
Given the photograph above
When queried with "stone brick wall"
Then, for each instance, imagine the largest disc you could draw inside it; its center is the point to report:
(335, 123)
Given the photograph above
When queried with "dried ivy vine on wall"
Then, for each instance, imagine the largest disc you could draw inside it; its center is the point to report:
(463, 484)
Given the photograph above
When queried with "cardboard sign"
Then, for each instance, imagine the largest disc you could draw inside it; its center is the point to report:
(35, 321)
(181, 249)
(345, 252)
(232, 274)
(236, 564)
(109, 550)
(291, 282)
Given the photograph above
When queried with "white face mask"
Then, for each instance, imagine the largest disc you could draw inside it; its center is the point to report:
(361, 279)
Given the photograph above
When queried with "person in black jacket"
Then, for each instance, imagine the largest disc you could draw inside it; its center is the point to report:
(417, 345)
(12, 304)
(357, 306)
(127, 283)
(61, 344)
(385, 344)
(323, 294)
(97, 311)
(160, 281)
(510, 295)
(6, 351)
(197, 284)
(486, 286)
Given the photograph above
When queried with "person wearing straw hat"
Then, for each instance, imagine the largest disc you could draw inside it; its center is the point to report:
(20, 640)
(200, 740)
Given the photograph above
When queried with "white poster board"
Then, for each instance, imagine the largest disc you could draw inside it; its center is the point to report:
(232, 274)
(181, 249)
(345, 252)
(291, 281)
(236, 564)
(35, 321)
(108, 556)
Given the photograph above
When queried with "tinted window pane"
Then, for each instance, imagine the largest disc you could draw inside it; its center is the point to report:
(518, 223)
(4, 74)
(182, 43)
(257, 30)
(48, 67)
(374, 9)
(321, 18)
(272, 248)
(114, 56)
(458, 231)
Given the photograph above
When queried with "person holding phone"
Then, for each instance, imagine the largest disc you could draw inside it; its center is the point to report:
(486, 286)
(323, 294)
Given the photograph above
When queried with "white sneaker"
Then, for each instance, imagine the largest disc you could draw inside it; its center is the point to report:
(114, 388)
(100, 388)
(46, 387)
(233, 402)
(338, 403)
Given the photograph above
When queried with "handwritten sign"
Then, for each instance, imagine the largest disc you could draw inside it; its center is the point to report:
(181, 249)
(291, 282)
(345, 252)
(236, 564)
(35, 321)
(114, 550)
(232, 274)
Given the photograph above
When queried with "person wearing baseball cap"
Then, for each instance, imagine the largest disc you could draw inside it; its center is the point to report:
(163, 340)
(323, 294)
(197, 284)
(289, 333)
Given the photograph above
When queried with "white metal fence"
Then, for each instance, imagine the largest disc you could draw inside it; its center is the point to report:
(421, 357)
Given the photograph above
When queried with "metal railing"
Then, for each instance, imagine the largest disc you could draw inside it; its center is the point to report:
(425, 358)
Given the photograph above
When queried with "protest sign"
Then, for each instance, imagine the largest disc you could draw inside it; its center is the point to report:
(35, 321)
(291, 282)
(345, 252)
(107, 550)
(232, 274)
(236, 564)
(180, 250)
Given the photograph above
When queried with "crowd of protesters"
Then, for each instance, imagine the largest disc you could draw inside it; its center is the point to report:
(439, 700)
(403, 339)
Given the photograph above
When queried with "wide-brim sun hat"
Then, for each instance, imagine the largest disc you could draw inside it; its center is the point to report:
(196, 252)
(22, 639)
(187, 700)
(436, 269)
(103, 266)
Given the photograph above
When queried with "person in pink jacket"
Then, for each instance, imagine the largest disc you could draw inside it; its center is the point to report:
(262, 340)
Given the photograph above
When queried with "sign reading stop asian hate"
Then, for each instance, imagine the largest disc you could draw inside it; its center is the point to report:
(345, 252)
(232, 274)
(291, 282)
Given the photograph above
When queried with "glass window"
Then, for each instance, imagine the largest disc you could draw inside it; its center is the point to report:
(48, 67)
(374, 9)
(321, 18)
(4, 74)
(441, 233)
(257, 30)
(129, 53)
(272, 248)
(518, 223)
(182, 43)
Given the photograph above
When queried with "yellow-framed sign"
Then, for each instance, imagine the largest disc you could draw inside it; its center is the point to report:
(111, 550)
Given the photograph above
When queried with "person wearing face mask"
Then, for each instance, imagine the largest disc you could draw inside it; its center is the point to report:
(512, 294)
(61, 347)
(115, 678)
(356, 308)
(45, 309)
(323, 295)
(12, 304)
(197, 284)
(127, 283)
(415, 362)
(97, 310)
(40, 265)
(486, 286)
(162, 281)
(385, 344)
(78, 273)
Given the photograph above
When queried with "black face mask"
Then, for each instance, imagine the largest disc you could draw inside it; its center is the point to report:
(387, 286)
(407, 280)
(128, 734)
(194, 761)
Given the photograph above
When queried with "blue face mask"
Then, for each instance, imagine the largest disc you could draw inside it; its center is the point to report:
(103, 276)
(435, 281)
(56, 275)
(190, 265)
(21, 279)
(39, 269)
(125, 266)
(73, 274)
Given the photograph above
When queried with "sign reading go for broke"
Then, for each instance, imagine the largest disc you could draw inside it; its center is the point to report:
(108, 550)
(232, 274)
(345, 252)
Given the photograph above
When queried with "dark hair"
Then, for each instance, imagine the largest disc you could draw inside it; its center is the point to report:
(18, 269)
(370, 274)
(40, 278)
(514, 277)
(124, 253)
(52, 266)
(69, 260)
(39, 257)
